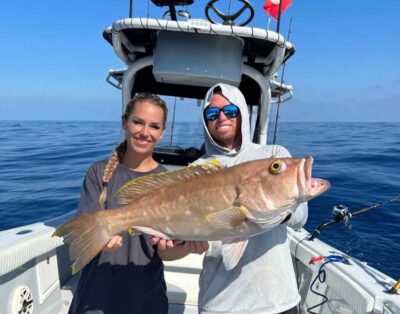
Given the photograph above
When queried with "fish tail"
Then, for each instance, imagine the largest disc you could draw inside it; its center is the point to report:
(86, 235)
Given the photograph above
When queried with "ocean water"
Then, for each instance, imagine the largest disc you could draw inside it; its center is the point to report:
(42, 165)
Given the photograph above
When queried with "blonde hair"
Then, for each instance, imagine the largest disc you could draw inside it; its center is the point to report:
(118, 153)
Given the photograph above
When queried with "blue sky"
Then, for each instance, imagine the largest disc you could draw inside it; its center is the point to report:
(54, 61)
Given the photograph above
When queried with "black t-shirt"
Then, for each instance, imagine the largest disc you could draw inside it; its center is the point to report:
(128, 280)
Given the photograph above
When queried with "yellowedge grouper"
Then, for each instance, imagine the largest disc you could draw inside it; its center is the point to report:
(202, 202)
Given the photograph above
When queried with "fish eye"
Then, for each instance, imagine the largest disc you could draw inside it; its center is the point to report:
(277, 167)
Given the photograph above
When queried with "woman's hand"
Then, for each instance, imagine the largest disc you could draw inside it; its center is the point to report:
(114, 244)
(162, 244)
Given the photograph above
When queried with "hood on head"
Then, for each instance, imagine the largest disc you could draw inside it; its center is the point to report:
(235, 96)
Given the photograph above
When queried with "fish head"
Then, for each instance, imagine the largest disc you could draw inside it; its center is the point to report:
(287, 182)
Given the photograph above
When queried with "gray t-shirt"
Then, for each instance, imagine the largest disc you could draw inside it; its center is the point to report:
(128, 280)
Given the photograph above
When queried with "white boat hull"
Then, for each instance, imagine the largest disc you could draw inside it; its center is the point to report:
(35, 269)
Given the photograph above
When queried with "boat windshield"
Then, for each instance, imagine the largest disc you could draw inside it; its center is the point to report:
(183, 139)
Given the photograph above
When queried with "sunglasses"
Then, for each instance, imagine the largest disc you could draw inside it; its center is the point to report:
(230, 111)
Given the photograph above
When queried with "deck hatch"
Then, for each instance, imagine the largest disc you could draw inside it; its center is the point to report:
(47, 275)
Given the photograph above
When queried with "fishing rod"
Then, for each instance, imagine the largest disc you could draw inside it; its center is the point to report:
(342, 213)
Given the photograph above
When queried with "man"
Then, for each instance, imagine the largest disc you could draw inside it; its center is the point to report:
(264, 280)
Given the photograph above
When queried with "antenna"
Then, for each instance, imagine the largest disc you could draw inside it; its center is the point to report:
(279, 95)
(173, 123)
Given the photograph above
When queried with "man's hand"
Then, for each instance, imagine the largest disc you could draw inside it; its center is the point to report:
(171, 250)
(114, 244)
(197, 247)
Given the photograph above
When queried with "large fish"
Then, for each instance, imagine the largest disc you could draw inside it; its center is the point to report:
(202, 202)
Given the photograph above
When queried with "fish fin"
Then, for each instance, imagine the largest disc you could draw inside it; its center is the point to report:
(230, 217)
(86, 236)
(257, 214)
(232, 252)
(272, 219)
(146, 184)
(269, 219)
(152, 232)
(133, 232)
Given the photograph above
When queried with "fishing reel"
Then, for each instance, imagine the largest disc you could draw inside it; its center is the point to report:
(341, 212)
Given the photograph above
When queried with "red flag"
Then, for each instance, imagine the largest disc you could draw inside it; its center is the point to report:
(272, 7)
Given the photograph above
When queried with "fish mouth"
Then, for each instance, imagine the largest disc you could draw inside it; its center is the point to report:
(311, 187)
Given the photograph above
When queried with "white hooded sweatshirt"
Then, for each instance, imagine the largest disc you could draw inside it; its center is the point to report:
(264, 280)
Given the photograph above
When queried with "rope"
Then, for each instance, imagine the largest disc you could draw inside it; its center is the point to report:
(321, 277)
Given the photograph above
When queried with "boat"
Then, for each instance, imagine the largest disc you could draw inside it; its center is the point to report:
(183, 57)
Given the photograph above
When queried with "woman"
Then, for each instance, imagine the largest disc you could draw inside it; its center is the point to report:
(127, 276)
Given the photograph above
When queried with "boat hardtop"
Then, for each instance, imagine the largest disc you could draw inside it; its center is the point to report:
(184, 58)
